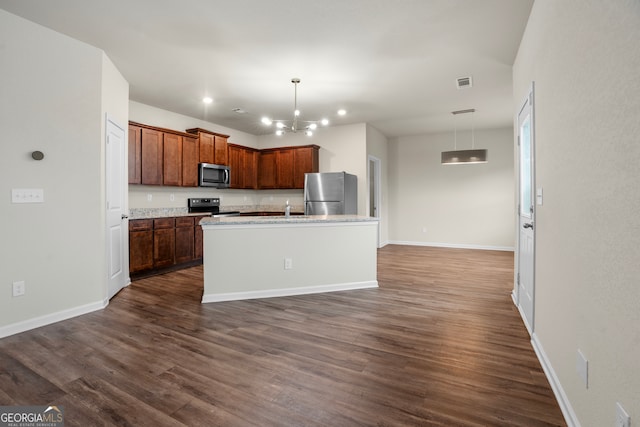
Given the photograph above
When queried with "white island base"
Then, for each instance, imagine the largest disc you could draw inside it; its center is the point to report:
(262, 257)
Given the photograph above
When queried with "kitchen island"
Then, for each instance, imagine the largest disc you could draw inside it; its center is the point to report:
(270, 256)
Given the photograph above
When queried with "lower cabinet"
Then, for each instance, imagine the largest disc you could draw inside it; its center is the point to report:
(140, 245)
(185, 238)
(164, 242)
(159, 244)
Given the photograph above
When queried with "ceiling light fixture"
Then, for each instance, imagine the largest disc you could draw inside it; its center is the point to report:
(295, 125)
(207, 100)
(460, 157)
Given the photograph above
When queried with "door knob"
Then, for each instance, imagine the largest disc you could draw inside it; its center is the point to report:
(527, 225)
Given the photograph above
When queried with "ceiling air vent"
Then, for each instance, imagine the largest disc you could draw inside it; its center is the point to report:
(464, 82)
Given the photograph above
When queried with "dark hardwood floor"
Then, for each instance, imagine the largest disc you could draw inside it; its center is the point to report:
(439, 343)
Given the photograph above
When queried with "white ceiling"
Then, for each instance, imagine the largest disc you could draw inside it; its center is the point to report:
(390, 63)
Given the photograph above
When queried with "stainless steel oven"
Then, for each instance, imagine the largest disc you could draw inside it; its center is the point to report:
(209, 205)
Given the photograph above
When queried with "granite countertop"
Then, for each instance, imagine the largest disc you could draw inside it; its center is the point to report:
(148, 213)
(282, 220)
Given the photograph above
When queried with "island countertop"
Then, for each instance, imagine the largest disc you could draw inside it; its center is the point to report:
(283, 220)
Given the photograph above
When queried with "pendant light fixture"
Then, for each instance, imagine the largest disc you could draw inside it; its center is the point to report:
(296, 124)
(461, 157)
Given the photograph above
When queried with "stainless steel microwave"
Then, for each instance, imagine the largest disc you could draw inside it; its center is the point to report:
(216, 176)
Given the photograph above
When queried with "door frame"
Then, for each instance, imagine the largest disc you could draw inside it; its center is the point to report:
(123, 181)
(528, 101)
(377, 190)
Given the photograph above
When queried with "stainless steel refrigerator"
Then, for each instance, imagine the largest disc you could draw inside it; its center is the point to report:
(330, 193)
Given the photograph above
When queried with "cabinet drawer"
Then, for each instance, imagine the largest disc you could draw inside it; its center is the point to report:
(140, 224)
(160, 223)
(184, 221)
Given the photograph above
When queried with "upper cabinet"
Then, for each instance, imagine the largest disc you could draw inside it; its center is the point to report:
(190, 161)
(159, 156)
(135, 159)
(151, 155)
(213, 146)
(285, 167)
(243, 163)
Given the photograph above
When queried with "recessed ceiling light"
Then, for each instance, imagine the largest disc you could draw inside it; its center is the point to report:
(207, 100)
(342, 112)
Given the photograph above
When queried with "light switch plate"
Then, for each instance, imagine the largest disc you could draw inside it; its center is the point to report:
(27, 195)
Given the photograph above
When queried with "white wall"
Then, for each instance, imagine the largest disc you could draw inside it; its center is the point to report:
(584, 59)
(52, 101)
(453, 205)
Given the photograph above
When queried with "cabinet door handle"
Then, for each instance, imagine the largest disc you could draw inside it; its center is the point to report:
(527, 225)
(123, 216)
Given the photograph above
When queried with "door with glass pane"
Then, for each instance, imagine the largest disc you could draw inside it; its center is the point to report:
(525, 283)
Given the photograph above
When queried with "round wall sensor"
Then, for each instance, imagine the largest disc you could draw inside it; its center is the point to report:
(37, 155)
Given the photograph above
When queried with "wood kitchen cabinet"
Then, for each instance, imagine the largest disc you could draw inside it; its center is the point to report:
(243, 162)
(267, 169)
(285, 167)
(140, 245)
(159, 156)
(213, 147)
(135, 159)
(306, 160)
(164, 241)
(151, 157)
(172, 160)
(189, 161)
(185, 237)
(162, 244)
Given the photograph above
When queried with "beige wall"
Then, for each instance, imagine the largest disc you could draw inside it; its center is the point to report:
(54, 94)
(454, 205)
(584, 59)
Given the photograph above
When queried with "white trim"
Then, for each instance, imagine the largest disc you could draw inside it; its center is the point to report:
(452, 245)
(48, 319)
(570, 416)
(284, 292)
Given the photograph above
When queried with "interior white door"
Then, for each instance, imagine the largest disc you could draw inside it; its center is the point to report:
(525, 277)
(116, 218)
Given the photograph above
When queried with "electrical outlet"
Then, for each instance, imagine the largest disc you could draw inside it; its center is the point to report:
(424, 229)
(172, 197)
(622, 418)
(19, 288)
(149, 197)
(582, 367)
(288, 264)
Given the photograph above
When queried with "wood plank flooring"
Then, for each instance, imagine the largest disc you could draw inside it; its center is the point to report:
(439, 343)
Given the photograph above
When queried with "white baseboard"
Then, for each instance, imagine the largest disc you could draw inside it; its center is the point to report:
(48, 319)
(565, 405)
(284, 292)
(452, 245)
